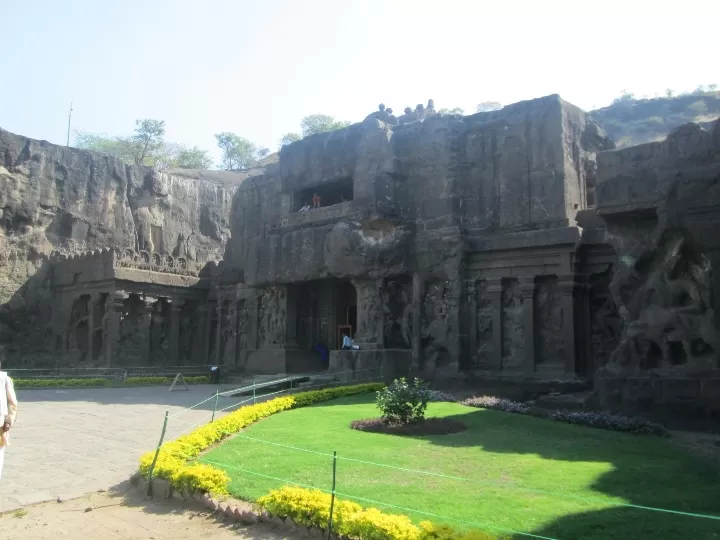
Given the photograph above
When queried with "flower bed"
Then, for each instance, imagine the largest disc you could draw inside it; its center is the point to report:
(100, 382)
(311, 507)
(583, 418)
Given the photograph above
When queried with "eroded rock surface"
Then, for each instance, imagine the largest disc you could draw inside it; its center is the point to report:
(57, 198)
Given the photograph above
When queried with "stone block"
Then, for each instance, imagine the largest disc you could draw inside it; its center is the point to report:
(277, 521)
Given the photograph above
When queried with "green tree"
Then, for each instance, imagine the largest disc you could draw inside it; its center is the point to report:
(122, 148)
(290, 138)
(320, 123)
(193, 158)
(148, 139)
(237, 152)
(487, 106)
(456, 110)
(145, 147)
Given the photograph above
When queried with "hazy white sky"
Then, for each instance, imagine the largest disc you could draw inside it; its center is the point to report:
(257, 67)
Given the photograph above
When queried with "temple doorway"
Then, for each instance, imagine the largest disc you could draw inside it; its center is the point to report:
(324, 310)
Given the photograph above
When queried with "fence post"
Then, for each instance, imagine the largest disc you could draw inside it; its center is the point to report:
(157, 452)
(217, 395)
(253, 390)
(332, 495)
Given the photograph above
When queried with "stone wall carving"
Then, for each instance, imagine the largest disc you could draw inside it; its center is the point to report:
(513, 327)
(157, 262)
(606, 324)
(397, 301)
(549, 321)
(664, 293)
(272, 316)
(484, 326)
(436, 328)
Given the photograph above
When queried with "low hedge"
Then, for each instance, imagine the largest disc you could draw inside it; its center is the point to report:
(100, 382)
(174, 457)
(311, 507)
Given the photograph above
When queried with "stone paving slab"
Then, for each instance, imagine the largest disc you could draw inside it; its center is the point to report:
(70, 442)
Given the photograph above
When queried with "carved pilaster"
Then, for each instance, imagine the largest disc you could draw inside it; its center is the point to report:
(494, 292)
(417, 306)
(527, 289)
(111, 324)
(200, 343)
(370, 313)
(145, 324)
(91, 324)
(220, 316)
(471, 291)
(567, 288)
(174, 348)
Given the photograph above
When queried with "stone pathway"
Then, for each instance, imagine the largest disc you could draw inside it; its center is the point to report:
(67, 443)
(124, 515)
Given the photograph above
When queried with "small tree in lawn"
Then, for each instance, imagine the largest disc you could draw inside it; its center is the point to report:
(403, 402)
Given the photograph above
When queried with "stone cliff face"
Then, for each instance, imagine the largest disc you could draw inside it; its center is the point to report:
(415, 192)
(661, 204)
(59, 198)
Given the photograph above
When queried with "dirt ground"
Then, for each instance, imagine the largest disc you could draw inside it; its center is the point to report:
(125, 515)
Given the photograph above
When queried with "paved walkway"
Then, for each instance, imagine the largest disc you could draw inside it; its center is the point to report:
(126, 516)
(67, 443)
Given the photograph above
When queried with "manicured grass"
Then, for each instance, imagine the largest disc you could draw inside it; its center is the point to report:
(498, 455)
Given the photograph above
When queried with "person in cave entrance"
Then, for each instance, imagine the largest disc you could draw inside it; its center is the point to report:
(348, 344)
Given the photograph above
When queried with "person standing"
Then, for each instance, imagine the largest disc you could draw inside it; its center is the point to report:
(8, 411)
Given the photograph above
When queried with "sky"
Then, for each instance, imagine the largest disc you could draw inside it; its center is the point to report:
(257, 67)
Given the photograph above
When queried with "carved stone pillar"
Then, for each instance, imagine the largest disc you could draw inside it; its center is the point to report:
(527, 289)
(370, 313)
(567, 288)
(417, 305)
(219, 311)
(91, 324)
(494, 292)
(200, 345)
(207, 333)
(471, 324)
(111, 324)
(145, 324)
(174, 348)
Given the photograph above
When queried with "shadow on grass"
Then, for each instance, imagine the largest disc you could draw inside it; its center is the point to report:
(666, 479)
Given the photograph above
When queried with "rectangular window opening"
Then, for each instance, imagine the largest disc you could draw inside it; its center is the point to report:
(308, 199)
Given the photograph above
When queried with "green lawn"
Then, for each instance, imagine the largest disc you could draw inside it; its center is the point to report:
(500, 457)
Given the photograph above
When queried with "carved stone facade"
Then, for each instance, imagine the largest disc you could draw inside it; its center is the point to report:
(441, 245)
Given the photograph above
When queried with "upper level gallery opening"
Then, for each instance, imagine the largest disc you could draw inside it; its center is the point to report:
(308, 199)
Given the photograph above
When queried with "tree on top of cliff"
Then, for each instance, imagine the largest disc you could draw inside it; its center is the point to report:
(237, 152)
(146, 147)
(315, 123)
(148, 138)
(290, 138)
(320, 123)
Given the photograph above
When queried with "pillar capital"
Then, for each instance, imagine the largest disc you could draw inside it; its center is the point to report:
(527, 287)
(494, 286)
(176, 305)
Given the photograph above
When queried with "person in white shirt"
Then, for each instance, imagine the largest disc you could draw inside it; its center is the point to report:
(8, 412)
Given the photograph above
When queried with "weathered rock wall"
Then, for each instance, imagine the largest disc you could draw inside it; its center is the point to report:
(59, 198)
(661, 204)
(417, 189)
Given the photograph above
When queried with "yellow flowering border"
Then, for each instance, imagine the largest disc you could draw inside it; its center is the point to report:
(175, 460)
